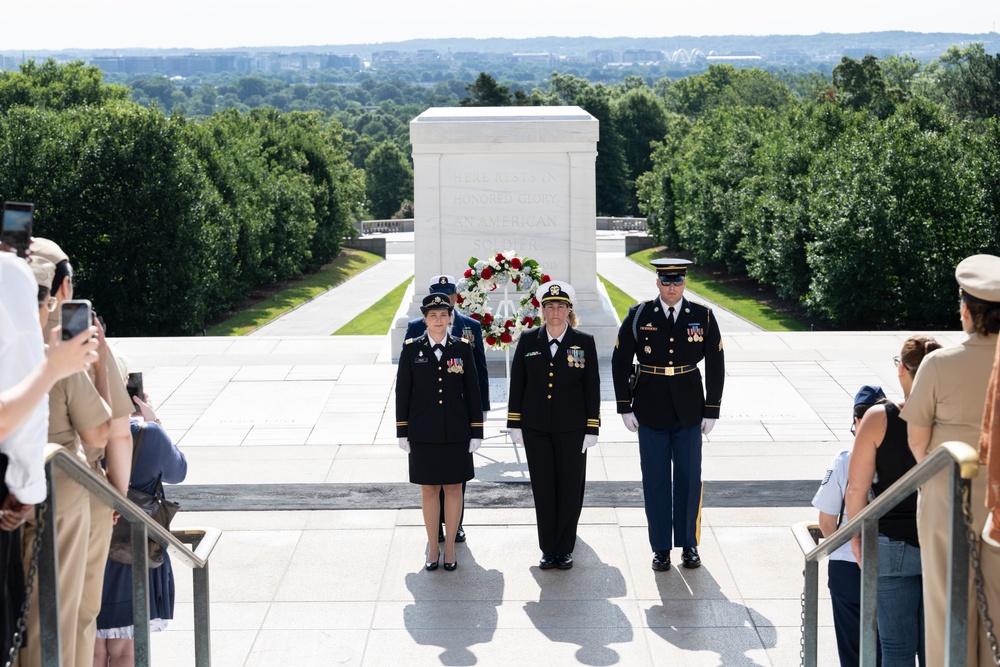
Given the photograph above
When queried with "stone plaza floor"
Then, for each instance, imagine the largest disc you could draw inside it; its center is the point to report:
(346, 586)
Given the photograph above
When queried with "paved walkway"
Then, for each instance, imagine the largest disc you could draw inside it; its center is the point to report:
(346, 587)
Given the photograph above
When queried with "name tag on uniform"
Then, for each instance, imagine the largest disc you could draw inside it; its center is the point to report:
(421, 359)
(648, 327)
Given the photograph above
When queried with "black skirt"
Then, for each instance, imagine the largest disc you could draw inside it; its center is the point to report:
(440, 463)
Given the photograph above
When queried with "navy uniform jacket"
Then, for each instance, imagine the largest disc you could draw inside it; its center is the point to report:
(553, 394)
(463, 327)
(437, 401)
(694, 336)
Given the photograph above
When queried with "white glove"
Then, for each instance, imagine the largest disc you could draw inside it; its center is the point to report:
(485, 412)
(631, 423)
(516, 437)
(404, 444)
(707, 425)
(475, 444)
(588, 442)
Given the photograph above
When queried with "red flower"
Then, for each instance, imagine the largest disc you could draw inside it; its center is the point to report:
(515, 280)
(459, 298)
(500, 257)
(468, 273)
(515, 262)
(509, 324)
(506, 337)
(534, 302)
(486, 273)
(488, 318)
(491, 341)
(476, 316)
(528, 322)
(545, 278)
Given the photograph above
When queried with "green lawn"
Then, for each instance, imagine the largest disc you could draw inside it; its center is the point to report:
(376, 320)
(619, 299)
(346, 265)
(763, 316)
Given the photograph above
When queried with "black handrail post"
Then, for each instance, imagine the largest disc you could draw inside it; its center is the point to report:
(202, 618)
(869, 592)
(48, 578)
(810, 613)
(957, 621)
(140, 592)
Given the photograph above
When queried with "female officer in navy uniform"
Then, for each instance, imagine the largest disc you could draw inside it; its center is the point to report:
(668, 336)
(554, 412)
(439, 421)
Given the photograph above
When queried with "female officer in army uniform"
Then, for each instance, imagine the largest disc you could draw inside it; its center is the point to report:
(554, 411)
(439, 421)
(668, 336)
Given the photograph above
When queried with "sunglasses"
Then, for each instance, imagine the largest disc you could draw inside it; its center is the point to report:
(671, 280)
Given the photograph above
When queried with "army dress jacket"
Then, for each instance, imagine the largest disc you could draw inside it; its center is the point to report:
(463, 327)
(555, 394)
(437, 401)
(694, 336)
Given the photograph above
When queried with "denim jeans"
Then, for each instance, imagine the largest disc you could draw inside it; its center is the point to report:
(900, 603)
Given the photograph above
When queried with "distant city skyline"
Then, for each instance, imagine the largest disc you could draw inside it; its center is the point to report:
(209, 24)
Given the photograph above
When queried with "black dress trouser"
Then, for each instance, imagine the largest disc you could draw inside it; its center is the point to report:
(558, 470)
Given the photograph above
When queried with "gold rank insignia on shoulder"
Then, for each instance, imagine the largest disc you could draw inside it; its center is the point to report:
(720, 345)
(616, 342)
(409, 340)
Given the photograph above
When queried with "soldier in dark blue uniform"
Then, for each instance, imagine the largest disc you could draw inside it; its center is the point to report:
(472, 331)
(668, 336)
(439, 421)
(554, 412)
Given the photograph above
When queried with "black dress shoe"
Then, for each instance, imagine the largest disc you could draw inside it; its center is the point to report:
(690, 557)
(661, 561)
(450, 567)
(430, 566)
(547, 562)
(564, 562)
(460, 534)
(441, 533)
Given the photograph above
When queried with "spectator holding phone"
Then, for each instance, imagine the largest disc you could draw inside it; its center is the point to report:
(117, 454)
(158, 459)
(78, 417)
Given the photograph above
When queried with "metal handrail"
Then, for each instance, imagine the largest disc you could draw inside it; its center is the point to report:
(202, 540)
(963, 461)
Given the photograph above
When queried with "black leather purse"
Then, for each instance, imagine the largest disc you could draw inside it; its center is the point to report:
(155, 505)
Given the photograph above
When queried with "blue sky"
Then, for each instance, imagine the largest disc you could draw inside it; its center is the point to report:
(58, 24)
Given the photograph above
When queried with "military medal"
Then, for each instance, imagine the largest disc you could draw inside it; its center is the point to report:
(647, 350)
(575, 357)
(455, 366)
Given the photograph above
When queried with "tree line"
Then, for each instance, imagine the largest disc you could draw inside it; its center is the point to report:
(854, 194)
(171, 222)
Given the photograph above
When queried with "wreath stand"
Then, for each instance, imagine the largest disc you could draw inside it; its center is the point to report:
(505, 310)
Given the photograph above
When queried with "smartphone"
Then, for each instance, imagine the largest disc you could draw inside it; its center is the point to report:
(74, 316)
(134, 386)
(17, 219)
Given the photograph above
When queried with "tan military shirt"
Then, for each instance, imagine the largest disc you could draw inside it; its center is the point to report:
(949, 391)
(75, 405)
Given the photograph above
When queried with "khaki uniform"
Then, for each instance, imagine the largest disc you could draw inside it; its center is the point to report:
(74, 405)
(948, 396)
(101, 522)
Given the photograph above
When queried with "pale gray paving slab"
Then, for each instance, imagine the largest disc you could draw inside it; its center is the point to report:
(260, 470)
(351, 562)
(268, 403)
(765, 561)
(225, 615)
(315, 372)
(786, 650)
(313, 615)
(175, 648)
(346, 471)
(709, 647)
(712, 581)
(308, 647)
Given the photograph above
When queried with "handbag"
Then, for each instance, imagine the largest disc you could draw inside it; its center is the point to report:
(154, 504)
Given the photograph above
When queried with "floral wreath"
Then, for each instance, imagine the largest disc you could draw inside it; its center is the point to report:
(485, 276)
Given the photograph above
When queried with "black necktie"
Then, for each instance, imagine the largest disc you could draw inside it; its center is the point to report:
(670, 317)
